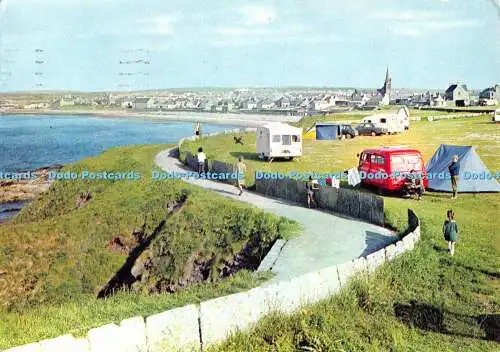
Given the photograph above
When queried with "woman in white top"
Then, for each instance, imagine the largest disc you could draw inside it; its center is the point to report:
(201, 160)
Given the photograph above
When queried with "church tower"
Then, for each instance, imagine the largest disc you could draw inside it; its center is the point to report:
(387, 88)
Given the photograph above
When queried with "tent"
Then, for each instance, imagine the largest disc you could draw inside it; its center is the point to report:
(474, 175)
(310, 133)
(326, 131)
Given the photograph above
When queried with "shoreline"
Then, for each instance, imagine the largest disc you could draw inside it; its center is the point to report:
(230, 119)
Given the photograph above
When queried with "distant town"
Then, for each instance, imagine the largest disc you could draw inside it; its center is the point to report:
(297, 101)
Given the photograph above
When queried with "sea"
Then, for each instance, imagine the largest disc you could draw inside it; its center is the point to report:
(31, 142)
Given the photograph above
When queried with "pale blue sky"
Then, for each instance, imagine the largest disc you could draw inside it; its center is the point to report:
(198, 43)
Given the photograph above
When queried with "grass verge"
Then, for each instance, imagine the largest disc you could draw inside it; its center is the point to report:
(55, 256)
(422, 301)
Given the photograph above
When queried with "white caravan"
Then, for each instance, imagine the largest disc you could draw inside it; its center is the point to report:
(496, 115)
(392, 122)
(276, 140)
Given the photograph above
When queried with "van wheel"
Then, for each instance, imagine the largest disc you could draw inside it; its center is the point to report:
(373, 134)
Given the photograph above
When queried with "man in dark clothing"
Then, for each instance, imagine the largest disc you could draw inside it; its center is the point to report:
(414, 184)
(454, 169)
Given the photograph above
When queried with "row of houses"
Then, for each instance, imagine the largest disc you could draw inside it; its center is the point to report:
(455, 95)
(321, 102)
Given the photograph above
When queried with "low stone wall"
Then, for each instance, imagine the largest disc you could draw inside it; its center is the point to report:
(359, 205)
(213, 166)
(197, 327)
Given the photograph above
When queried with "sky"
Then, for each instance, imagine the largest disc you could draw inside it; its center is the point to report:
(79, 44)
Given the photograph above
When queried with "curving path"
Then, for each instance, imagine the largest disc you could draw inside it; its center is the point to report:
(327, 239)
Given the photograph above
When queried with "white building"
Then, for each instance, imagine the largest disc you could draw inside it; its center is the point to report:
(144, 103)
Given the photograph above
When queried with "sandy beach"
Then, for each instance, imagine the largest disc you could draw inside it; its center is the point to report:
(243, 120)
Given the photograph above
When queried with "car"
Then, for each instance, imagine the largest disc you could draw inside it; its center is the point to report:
(387, 168)
(347, 131)
(370, 129)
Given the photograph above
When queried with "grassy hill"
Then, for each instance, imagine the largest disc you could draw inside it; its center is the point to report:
(57, 255)
(425, 300)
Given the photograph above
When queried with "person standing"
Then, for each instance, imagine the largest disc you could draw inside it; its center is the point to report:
(312, 186)
(454, 169)
(197, 129)
(241, 168)
(201, 157)
(450, 231)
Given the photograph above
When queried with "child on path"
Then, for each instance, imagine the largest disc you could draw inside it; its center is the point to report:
(241, 168)
(201, 160)
(450, 231)
(312, 186)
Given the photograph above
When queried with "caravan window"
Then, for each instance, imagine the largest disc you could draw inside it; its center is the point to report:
(296, 138)
(383, 120)
(276, 138)
(287, 139)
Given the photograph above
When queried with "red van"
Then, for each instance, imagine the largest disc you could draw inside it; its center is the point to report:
(386, 168)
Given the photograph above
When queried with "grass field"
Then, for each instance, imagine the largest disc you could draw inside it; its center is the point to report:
(55, 256)
(425, 300)
(327, 156)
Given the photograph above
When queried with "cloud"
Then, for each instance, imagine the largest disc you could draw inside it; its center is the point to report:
(450, 24)
(407, 32)
(416, 24)
(496, 5)
(245, 32)
(405, 15)
(158, 25)
(257, 14)
(3, 7)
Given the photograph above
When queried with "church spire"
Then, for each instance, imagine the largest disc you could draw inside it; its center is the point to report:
(386, 89)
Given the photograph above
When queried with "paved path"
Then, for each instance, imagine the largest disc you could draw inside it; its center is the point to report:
(326, 240)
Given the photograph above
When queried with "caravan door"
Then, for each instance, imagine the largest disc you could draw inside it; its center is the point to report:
(263, 143)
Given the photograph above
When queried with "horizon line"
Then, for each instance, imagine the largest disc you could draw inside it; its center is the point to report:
(52, 91)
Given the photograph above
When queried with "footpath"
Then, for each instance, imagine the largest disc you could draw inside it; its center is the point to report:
(326, 239)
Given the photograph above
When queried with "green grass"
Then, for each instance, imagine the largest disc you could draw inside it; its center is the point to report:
(55, 255)
(455, 289)
(307, 121)
(328, 156)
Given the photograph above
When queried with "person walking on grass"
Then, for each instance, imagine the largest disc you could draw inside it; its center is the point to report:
(241, 168)
(312, 186)
(201, 160)
(454, 169)
(450, 231)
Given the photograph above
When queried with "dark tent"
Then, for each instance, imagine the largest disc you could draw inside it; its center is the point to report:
(474, 175)
(326, 131)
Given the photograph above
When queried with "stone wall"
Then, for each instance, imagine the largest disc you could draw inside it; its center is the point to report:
(364, 206)
(213, 166)
(197, 327)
